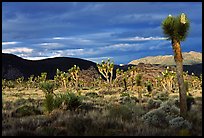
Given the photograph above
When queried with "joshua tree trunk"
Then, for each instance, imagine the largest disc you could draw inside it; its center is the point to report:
(179, 71)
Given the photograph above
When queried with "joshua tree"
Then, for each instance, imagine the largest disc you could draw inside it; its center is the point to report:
(121, 76)
(168, 80)
(176, 29)
(106, 69)
(61, 78)
(30, 82)
(74, 72)
(19, 81)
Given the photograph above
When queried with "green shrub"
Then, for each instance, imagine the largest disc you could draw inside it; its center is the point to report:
(161, 116)
(120, 111)
(25, 111)
(49, 102)
(73, 101)
(67, 101)
(124, 94)
(162, 96)
(151, 103)
(47, 87)
(92, 94)
(180, 123)
(156, 117)
(149, 86)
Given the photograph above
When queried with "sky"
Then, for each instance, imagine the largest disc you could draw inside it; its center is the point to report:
(95, 31)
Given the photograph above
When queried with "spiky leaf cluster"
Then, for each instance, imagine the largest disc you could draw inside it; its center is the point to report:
(176, 27)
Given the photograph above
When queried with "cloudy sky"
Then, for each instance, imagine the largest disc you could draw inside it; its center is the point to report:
(122, 31)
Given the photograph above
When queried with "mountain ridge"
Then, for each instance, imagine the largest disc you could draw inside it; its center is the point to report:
(189, 58)
(14, 67)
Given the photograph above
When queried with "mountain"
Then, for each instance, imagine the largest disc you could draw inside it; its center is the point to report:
(14, 66)
(190, 58)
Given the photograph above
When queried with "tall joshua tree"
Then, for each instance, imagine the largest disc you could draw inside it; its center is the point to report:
(176, 29)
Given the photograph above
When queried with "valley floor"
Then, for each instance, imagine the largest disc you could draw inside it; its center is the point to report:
(101, 113)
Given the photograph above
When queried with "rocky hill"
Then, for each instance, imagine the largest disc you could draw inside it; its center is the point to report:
(190, 58)
(14, 66)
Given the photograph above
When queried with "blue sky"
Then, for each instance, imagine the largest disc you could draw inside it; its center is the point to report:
(122, 31)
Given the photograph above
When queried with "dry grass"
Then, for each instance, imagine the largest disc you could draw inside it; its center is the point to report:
(103, 115)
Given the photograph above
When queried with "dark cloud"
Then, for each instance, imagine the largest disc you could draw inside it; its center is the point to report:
(94, 30)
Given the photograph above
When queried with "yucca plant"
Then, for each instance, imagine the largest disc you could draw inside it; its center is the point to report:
(106, 69)
(74, 72)
(61, 79)
(48, 87)
(30, 82)
(176, 29)
(19, 81)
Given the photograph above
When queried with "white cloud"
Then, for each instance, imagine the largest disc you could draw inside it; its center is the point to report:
(17, 50)
(59, 38)
(81, 52)
(122, 47)
(10, 43)
(137, 38)
(35, 58)
(75, 40)
(51, 45)
(99, 59)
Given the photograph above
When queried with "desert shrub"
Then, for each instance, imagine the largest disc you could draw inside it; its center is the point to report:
(151, 103)
(124, 94)
(195, 117)
(190, 101)
(162, 96)
(73, 101)
(127, 111)
(7, 105)
(149, 86)
(120, 111)
(25, 111)
(58, 100)
(47, 87)
(180, 123)
(20, 101)
(49, 102)
(161, 116)
(170, 107)
(92, 94)
(155, 117)
(68, 101)
(128, 99)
